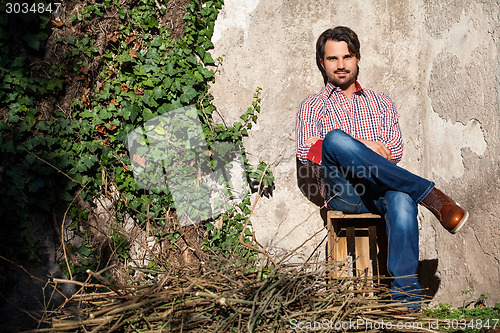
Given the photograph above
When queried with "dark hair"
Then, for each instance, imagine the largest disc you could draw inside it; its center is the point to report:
(339, 34)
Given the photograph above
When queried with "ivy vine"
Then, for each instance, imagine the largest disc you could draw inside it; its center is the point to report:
(142, 73)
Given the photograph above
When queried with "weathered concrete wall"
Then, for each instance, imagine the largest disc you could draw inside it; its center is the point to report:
(438, 61)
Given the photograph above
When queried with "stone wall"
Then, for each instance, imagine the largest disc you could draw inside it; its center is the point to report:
(437, 60)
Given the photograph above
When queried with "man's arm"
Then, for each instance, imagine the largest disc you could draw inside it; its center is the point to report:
(390, 133)
(378, 147)
(307, 127)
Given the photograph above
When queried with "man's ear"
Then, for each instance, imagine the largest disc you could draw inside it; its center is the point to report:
(323, 63)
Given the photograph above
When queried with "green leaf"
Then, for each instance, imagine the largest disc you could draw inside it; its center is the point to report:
(124, 57)
(122, 13)
(33, 40)
(198, 76)
(13, 118)
(3, 125)
(208, 60)
(54, 83)
(86, 162)
(42, 126)
(148, 114)
(207, 73)
(158, 92)
(188, 94)
(19, 61)
(85, 251)
(148, 83)
(150, 66)
(87, 114)
(139, 71)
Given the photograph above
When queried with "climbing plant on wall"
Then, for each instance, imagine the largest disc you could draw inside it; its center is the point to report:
(53, 155)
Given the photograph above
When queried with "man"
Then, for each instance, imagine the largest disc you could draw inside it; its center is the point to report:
(354, 134)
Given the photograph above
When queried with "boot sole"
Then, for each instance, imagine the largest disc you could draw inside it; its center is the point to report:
(460, 224)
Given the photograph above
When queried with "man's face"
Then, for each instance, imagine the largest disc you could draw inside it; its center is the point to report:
(340, 65)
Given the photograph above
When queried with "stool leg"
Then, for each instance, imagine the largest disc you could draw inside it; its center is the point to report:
(372, 235)
(351, 247)
(335, 244)
(330, 240)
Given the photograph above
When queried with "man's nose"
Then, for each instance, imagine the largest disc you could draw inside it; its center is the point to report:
(340, 64)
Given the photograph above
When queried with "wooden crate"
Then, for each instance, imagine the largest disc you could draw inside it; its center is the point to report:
(359, 241)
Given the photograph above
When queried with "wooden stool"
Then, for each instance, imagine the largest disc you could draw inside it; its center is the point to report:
(359, 238)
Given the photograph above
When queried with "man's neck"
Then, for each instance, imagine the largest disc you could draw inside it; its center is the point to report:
(349, 90)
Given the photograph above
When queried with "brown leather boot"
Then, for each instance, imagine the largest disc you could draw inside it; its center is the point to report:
(448, 212)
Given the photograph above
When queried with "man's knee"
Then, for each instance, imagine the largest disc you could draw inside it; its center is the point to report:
(338, 141)
(399, 199)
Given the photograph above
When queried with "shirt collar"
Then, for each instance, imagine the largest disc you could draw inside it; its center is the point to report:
(330, 88)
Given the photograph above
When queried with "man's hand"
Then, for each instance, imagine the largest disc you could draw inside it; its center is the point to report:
(312, 140)
(377, 147)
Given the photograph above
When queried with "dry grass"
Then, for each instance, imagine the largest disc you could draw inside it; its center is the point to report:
(222, 297)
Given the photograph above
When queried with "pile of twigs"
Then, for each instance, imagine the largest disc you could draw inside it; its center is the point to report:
(223, 297)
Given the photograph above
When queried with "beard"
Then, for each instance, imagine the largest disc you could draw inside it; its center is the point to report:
(343, 78)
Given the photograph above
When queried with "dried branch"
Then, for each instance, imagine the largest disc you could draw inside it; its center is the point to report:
(225, 297)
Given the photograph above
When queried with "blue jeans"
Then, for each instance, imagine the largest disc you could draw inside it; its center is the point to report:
(358, 180)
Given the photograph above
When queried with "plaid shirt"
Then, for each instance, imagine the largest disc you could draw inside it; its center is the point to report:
(368, 115)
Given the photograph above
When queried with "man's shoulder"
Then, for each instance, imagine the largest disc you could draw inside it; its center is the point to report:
(376, 94)
(317, 98)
